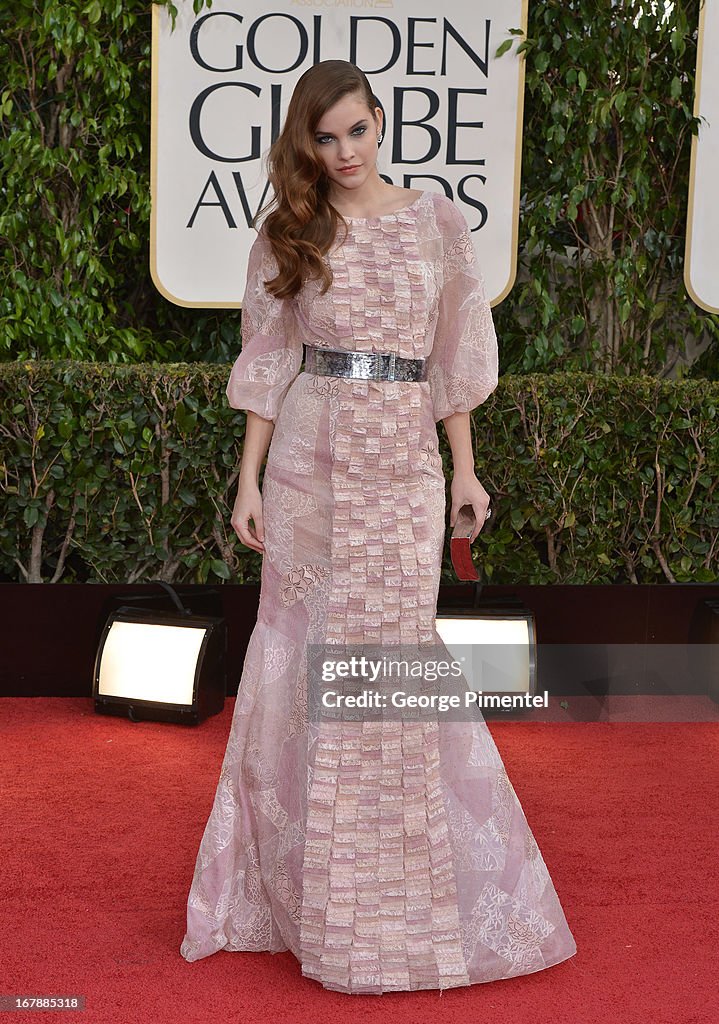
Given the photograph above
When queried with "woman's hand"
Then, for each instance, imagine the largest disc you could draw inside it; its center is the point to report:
(466, 489)
(248, 505)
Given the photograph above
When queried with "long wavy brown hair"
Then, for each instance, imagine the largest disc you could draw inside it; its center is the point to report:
(302, 224)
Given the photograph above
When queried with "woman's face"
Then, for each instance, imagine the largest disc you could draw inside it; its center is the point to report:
(346, 141)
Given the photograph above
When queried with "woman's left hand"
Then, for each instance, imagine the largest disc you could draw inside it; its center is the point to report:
(466, 489)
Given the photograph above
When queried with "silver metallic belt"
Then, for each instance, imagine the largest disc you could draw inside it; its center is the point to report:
(363, 365)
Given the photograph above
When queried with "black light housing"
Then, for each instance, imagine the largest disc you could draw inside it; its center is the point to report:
(154, 665)
(498, 642)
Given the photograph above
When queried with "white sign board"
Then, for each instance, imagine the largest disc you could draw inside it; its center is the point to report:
(221, 85)
(701, 258)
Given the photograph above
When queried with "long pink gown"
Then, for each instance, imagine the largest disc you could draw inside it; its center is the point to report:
(386, 855)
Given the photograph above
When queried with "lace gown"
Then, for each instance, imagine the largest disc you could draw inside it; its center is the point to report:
(386, 855)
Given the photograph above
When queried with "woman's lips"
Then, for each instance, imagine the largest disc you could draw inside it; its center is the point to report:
(349, 170)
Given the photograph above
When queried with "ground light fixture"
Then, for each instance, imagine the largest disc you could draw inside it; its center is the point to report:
(496, 645)
(161, 665)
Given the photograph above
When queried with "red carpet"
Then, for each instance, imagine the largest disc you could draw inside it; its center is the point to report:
(103, 817)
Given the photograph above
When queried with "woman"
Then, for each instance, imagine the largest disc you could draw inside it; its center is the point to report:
(385, 854)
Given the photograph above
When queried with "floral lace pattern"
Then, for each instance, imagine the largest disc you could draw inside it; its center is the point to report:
(388, 855)
(297, 582)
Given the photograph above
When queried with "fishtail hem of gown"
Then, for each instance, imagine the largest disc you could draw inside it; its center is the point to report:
(218, 940)
(462, 980)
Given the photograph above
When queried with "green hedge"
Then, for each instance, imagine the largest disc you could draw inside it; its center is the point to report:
(129, 473)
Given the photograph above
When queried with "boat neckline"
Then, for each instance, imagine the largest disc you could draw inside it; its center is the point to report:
(385, 216)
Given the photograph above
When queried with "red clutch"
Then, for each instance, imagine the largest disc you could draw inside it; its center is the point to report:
(459, 546)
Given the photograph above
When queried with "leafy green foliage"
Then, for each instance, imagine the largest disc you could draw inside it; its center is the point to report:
(75, 218)
(605, 172)
(128, 474)
(118, 473)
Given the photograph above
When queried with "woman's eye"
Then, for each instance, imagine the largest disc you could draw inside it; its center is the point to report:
(322, 139)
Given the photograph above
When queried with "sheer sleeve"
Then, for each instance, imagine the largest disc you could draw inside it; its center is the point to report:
(272, 350)
(463, 364)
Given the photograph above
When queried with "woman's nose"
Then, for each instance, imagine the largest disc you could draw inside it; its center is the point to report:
(346, 149)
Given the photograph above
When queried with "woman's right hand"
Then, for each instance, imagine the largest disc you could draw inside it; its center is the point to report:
(248, 506)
